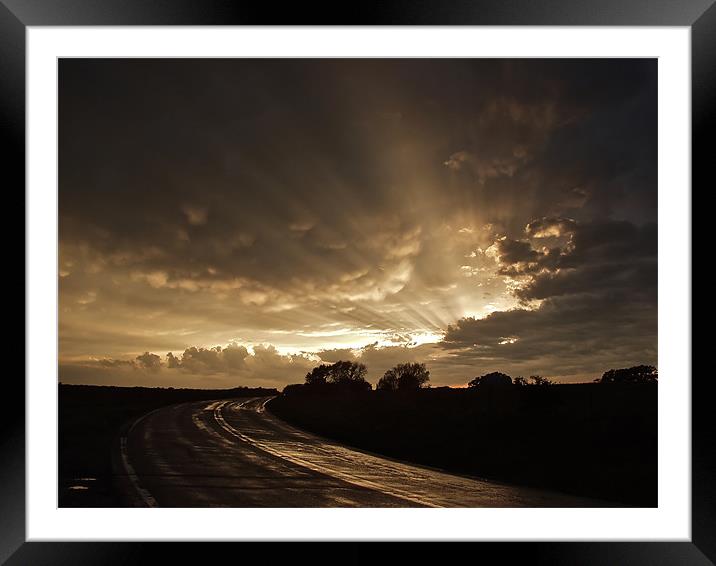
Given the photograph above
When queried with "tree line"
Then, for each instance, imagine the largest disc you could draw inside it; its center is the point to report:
(351, 375)
(635, 374)
(348, 375)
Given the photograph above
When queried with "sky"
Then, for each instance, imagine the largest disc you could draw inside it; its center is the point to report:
(238, 221)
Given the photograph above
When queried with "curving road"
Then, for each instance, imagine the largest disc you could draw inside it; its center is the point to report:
(236, 454)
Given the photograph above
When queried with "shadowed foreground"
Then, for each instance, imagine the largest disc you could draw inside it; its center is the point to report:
(235, 454)
(591, 440)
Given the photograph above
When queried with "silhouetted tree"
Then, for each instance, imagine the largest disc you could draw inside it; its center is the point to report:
(494, 378)
(346, 372)
(404, 376)
(389, 381)
(539, 380)
(342, 375)
(519, 381)
(636, 374)
(318, 375)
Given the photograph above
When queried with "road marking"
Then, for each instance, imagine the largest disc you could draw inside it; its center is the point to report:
(349, 478)
(144, 495)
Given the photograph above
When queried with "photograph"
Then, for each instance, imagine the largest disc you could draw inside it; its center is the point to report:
(357, 282)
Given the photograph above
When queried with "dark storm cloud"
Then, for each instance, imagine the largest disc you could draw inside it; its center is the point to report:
(516, 251)
(306, 201)
(574, 335)
(609, 256)
(213, 164)
(599, 301)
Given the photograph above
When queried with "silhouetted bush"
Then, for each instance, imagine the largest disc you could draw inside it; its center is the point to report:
(404, 377)
(520, 381)
(539, 380)
(636, 374)
(495, 378)
(342, 376)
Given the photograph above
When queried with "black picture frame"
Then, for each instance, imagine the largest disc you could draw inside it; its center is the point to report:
(16, 15)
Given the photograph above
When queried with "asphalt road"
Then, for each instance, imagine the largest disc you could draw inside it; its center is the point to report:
(236, 454)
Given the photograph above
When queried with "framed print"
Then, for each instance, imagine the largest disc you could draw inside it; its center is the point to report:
(411, 276)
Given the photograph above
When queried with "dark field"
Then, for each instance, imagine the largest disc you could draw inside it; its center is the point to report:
(90, 418)
(595, 440)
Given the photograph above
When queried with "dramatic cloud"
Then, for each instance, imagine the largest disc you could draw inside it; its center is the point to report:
(597, 301)
(550, 227)
(209, 208)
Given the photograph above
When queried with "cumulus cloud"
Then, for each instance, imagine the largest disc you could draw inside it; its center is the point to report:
(172, 361)
(511, 252)
(148, 361)
(209, 360)
(218, 366)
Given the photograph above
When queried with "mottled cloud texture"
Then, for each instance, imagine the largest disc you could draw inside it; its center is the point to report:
(231, 222)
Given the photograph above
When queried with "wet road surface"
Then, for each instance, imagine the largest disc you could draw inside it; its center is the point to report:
(236, 454)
